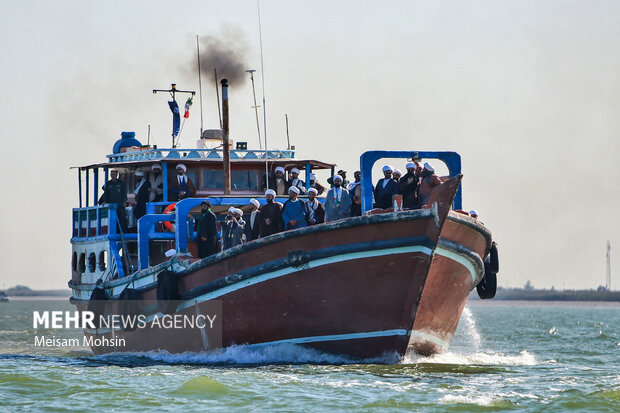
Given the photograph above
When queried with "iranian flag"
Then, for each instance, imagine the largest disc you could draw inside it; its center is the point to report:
(188, 104)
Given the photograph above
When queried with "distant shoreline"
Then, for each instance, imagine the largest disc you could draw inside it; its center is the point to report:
(515, 294)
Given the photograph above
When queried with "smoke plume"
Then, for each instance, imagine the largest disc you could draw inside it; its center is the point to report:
(227, 52)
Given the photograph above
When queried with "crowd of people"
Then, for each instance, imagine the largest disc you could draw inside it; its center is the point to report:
(342, 200)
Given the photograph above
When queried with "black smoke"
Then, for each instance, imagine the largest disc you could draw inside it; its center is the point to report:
(228, 53)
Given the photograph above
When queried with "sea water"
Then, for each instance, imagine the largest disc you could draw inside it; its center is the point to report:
(526, 356)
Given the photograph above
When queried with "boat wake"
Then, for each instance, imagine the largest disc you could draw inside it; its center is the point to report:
(477, 359)
(240, 355)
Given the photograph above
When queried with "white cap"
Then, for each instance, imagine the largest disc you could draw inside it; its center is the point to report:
(279, 168)
(387, 168)
(295, 170)
(397, 171)
(182, 167)
(337, 178)
(473, 212)
(238, 211)
(294, 189)
(156, 166)
(139, 173)
(171, 253)
(410, 165)
(429, 167)
(312, 177)
(313, 190)
(270, 192)
(255, 203)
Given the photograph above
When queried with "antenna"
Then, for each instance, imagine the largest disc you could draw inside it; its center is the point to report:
(288, 139)
(262, 74)
(199, 82)
(251, 72)
(174, 107)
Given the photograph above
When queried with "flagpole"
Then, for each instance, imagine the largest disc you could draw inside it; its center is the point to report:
(199, 83)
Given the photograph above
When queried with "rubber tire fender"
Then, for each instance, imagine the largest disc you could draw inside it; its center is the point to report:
(97, 304)
(129, 306)
(494, 257)
(487, 287)
(167, 291)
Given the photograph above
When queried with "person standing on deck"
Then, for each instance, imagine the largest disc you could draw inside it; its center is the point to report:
(294, 212)
(427, 183)
(280, 184)
(338, 202)
(233, 232)
(156, 184)
(296, 182)
(181, 186)
(408, 186)
(141, 195)
(316, 212)
(270, 215)
(343, 175)
(252, 226)
(315, 184)
(385, 188)
(355, 191)
(115, 192)
(206, 227)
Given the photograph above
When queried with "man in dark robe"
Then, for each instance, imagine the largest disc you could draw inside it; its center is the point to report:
(181, 186)
(408, 186)
(142, 193)
(252, 225)
(427, 183)
(385, 188)
(316, 211)
(206, 226)
(355, 191)
(271, 215)
(115, 192)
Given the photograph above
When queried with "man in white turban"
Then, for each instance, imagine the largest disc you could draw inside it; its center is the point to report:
(156, 180)
(270, 215)
(338, 202)
(296, 182)
(316, 212)
(385, 188)
(252, 225)
(294, 213)
(427, 183)
(181, 186)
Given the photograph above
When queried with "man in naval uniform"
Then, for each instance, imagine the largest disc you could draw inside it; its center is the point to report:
(337, 203)
(385, 188)
(181, 186)
(270, 215)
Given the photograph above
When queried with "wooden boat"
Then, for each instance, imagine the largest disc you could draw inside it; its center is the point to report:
(362, 286)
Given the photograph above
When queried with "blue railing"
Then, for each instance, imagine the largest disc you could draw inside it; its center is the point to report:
(176, 154)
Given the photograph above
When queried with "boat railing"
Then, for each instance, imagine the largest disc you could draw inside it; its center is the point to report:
(94, 221)
(161, 154)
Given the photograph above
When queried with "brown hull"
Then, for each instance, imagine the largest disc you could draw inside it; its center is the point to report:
(351, 287)
(456, 269)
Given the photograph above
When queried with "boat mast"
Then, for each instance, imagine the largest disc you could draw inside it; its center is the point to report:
(226, 140)
(251, 72)
(199, 83)
(262, 73)
(173, 91)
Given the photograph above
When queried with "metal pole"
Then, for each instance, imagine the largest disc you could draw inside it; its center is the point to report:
(288, 139)
(199, 83)
(262, 70)
(226, 142)
(251, 72)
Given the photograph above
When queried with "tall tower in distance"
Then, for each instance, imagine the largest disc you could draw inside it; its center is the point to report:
(608, 285)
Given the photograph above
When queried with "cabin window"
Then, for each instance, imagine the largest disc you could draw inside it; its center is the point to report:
(92, 262)
(244, 179)
(103, 258)
(82, 262)
(74, 261)
(213, 178)
(240, 179)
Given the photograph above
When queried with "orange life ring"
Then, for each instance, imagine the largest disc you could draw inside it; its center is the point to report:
(170, 209)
